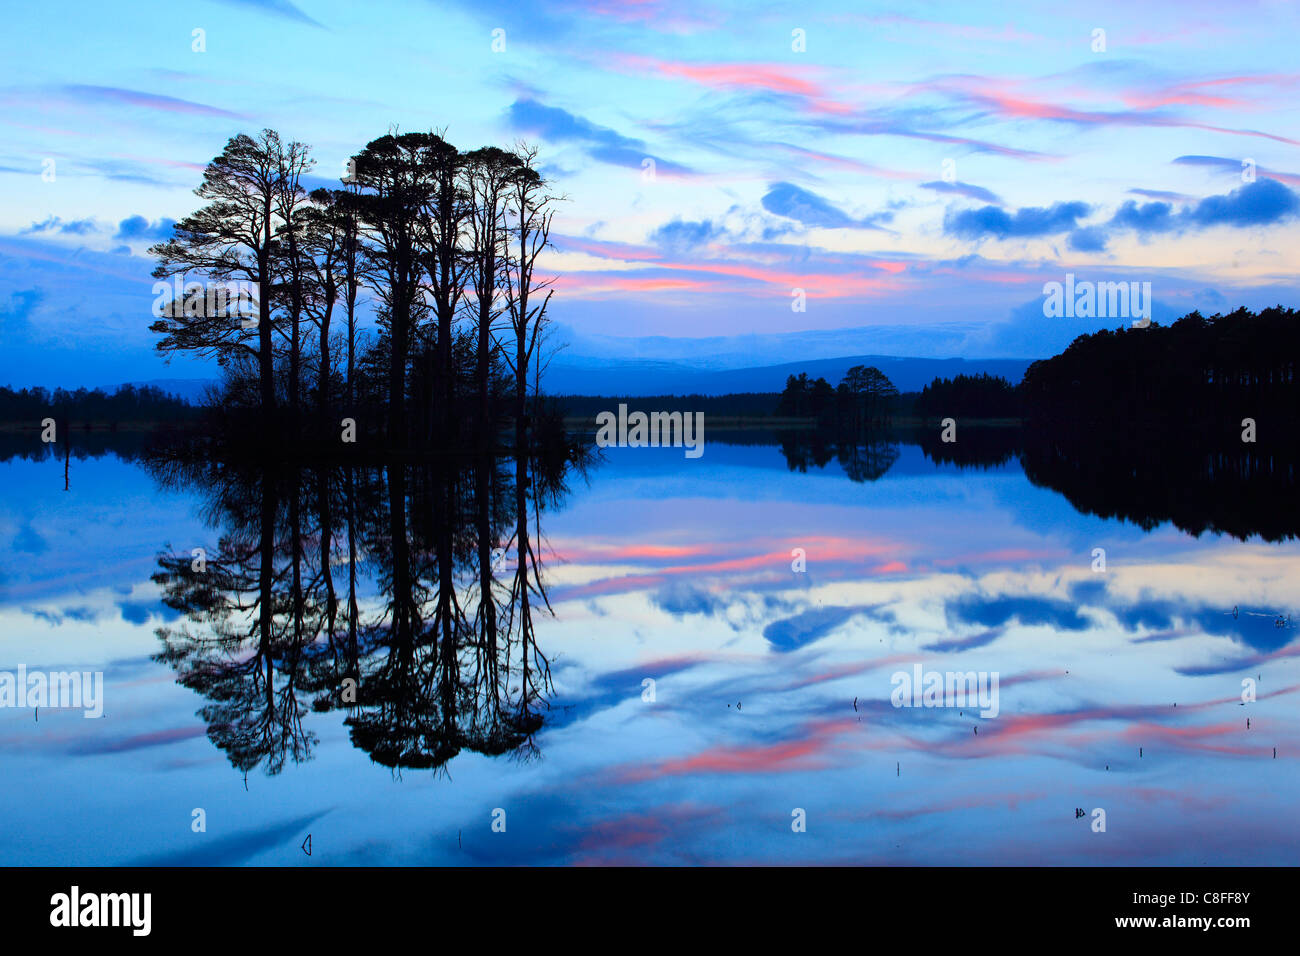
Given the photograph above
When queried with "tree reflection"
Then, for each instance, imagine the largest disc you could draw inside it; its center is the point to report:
(401, 595)
(1234, 488)
(863, 459)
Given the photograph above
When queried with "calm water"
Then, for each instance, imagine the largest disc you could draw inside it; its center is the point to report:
(1118, 690)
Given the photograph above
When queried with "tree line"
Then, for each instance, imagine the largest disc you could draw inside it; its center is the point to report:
(972, 396)
(444, 243)
(1195, 375)
(128, 404)
(1198, 373)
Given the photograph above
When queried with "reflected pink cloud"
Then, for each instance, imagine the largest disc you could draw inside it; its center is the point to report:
(810, 750)
(720, 558)
(1195, 738)
(603, 839)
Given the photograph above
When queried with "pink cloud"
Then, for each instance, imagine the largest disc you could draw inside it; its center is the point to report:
(742, 76)
(998, 96)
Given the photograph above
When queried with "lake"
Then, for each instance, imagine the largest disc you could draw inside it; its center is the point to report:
(647, 659)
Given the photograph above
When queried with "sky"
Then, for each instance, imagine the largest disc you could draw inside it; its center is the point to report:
(919, 171)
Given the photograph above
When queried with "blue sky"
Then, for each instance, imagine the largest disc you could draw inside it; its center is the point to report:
(920, 171)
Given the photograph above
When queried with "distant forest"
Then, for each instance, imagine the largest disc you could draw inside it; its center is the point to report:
(128, 405)
(1198, 372)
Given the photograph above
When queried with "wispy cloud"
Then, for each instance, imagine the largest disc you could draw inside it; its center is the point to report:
(276, 8)
(1001, 98)
(1236, 167)
(136, 98)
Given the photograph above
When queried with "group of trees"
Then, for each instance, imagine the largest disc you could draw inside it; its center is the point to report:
(443, 244)
(864, 399)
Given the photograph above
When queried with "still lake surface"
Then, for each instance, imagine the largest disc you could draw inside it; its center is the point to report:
(1120, 690)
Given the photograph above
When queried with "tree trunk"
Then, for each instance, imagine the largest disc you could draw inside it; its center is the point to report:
(266, 369)
(323, 379)
(484, 369)
(521, 391)
(352, 352)
(397, 372)
(445, 361)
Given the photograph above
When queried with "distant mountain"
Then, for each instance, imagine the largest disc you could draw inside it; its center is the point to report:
(581, 375)
(757, 350)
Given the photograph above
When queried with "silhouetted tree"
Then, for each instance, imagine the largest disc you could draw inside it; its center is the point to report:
(394, 175)
(233, 237)
(333, 258)
(530, 211)
(489, 173)
(293, 162)
(443, 218)
(871, 393)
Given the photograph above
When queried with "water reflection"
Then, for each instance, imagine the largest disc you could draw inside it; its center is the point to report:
(431, 586)
(1243, 489)
(862, 459)
(402, 596)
